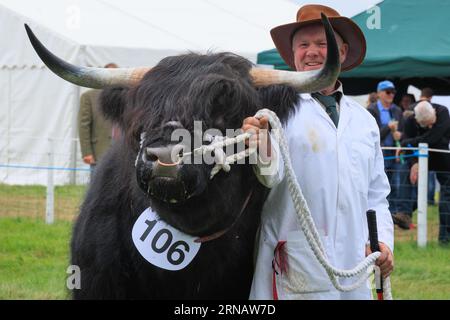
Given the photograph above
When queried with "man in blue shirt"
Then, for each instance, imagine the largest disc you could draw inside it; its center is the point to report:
(389, 118)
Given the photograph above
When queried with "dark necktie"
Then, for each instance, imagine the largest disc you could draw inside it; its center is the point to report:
(329, 102)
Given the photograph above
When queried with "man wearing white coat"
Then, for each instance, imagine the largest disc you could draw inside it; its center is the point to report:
(338, 163)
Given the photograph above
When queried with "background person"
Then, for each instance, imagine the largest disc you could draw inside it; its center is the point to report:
(431, 124)
(390, 121)
(95, 132)
(426, 94)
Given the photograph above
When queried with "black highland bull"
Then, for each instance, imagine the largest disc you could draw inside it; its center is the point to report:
(219, 90)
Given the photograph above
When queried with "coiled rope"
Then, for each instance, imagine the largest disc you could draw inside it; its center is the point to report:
(363, 270)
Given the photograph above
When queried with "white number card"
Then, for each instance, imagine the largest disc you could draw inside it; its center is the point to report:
(161, 244)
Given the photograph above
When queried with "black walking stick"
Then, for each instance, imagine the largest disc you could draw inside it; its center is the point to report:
(373, 239)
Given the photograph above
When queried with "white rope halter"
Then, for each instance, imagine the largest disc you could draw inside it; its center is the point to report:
(363, 270)
(222, 162)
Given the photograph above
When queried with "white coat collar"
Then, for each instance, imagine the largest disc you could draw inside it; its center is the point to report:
(345, 113)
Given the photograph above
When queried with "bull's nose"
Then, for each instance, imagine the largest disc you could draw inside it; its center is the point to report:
(166, 162)
(162, 154)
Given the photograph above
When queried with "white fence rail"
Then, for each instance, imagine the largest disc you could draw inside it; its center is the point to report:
(422, 152)
(422, 203)
(53, 201)
(24, 160)
(38, 178)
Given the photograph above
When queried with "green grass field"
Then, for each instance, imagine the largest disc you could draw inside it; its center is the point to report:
(421, 274)
(34, 256)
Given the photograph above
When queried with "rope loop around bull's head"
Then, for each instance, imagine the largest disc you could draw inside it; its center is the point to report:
(221, 160)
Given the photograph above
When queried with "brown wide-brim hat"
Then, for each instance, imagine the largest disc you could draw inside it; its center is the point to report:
(310, 14)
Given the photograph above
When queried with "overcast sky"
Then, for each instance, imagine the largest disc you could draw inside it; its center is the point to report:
(239, 26)
(347, 8)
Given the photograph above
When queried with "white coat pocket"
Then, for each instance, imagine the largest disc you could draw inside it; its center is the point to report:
(304, 276)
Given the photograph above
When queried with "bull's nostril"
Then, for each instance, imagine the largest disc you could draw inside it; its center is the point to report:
(150, 156)
(166, 156)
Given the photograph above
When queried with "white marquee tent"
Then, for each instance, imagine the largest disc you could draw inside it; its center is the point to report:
(38, 110)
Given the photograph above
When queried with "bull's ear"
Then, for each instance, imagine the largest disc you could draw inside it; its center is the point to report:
(113, 103)
(224, 93)
(217, 110)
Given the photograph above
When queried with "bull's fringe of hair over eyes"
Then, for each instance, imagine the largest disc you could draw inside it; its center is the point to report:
(192, 87)
(215, 88)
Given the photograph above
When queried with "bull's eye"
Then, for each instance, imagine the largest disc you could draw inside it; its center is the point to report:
(181, 153)
(213, 154)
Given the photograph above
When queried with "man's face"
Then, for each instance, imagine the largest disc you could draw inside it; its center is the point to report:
(310, 48)
(387, 96)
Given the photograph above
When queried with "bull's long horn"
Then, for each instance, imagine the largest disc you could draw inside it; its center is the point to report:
(97, 78)
(306, 81)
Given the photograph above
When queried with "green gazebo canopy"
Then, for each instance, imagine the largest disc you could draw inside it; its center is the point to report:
(412, 46)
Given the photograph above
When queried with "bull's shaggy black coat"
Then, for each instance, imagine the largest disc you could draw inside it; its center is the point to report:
(217, 90)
